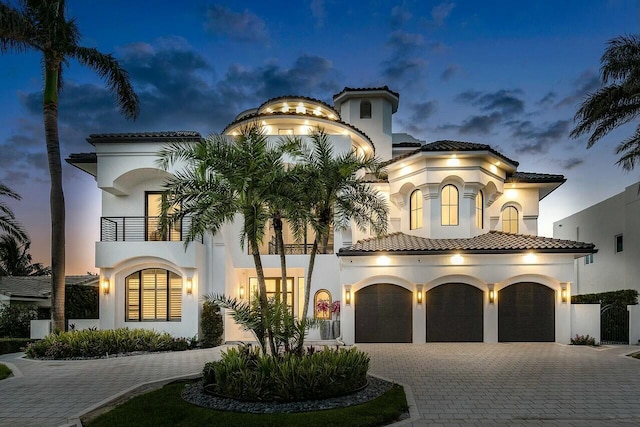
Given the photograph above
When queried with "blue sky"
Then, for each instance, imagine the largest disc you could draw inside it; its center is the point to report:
(506, 73)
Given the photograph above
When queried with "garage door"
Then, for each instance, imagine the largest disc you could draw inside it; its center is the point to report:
(454, 313)
(383, 314)
(526, 312)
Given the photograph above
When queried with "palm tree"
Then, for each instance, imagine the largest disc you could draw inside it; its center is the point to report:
(15, 259)
(8, 222)
(223, 177)
(37, 25)
(617, 102)
(336, 195)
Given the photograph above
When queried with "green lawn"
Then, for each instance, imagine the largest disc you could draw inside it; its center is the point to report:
(165, 407)
(4, 371)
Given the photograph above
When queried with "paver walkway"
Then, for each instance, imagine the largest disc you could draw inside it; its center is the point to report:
(453, 384)
(515, 383)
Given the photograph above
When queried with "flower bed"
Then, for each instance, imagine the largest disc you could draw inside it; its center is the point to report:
(245, 373)
(91, 343)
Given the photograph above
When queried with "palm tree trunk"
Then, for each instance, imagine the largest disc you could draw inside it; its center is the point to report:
(307, 285)
(56, 197)
(263, 298)
(277, 227)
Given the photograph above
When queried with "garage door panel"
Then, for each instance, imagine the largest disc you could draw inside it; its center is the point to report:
(383, 313)
(526, 313)
(455, 313)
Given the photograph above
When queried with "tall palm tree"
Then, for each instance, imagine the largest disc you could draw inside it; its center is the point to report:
(37, 25)
(15, 259)
(337, 195)
(222, 177)
(617, 102)
(8, 222)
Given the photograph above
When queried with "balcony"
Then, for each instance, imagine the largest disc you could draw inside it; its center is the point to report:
(141, 229)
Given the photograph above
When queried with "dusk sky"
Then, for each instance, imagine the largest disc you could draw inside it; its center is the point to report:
(510, 74)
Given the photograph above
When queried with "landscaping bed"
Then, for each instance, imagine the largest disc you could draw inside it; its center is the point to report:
(5, 372)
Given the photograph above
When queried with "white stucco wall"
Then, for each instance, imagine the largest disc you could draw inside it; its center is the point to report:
(599, 224)
(585, 320)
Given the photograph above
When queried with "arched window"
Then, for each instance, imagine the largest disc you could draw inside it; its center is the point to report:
(415, 208)
(153, 294)
(322, 304)
(365, 109)
(510, 220)
(449, 205)
(480, 210)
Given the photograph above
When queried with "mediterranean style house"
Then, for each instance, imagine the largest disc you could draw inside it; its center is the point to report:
(614, 226)
(462, 260)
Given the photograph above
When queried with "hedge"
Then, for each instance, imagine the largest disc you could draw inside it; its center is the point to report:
(623, 297)
(13, 345)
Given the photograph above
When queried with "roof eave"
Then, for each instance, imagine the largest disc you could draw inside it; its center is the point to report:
(580, 252)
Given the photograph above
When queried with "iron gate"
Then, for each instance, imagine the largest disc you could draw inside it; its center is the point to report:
(614, 324)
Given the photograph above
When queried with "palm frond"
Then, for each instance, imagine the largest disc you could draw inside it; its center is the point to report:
(116, 77)
(17, 32)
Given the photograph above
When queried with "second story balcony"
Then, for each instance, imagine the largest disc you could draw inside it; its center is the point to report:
(141, 229)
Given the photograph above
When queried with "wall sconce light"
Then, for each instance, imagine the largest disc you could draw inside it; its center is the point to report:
(492, 296)
(457, 259)
(105, 286)
(241, 292)
(189, 285)
(347, 295)
(419, 289)
(564, 295)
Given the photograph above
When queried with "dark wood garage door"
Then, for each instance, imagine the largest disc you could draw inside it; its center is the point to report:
(526, 313)
(383, 314)
(454, 313)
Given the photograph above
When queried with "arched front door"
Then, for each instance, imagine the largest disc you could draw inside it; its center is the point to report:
(383, 313)
(455, 313)
(526, 313)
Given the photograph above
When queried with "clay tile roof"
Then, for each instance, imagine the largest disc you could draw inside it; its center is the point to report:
(180, 135)
(366, 89)
(38, 286)
(535, 177)
(453, 146)
(493, 242)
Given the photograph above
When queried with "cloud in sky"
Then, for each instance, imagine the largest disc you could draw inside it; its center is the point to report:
(405, 65)
(242, 26)
(319, 12)
(449, 72)
(400, 16)
(538, 138)
(439, 14)
(420, 113)
(586, 83)
(571, 163)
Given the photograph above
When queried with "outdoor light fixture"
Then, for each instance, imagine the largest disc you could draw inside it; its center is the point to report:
(530, 257)
(419, 288)
(457, 259)
(563, 294)
(347, 294)
(105, 286)
(189, 285)
(492, 295)
(383, 260)
(241, 292)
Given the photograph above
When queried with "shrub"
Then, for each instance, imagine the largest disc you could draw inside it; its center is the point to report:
(624, 298)
(95, 343)
(211, 324)
(13, 345)
(81, 302)
(583, 340)
(246, 373)
(15, 320)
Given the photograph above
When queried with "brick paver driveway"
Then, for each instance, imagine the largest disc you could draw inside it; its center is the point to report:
(515, 383)
(453, 384)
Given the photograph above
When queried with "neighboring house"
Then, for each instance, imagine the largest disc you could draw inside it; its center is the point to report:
(36, 290)
(614, 226)
(462, 260)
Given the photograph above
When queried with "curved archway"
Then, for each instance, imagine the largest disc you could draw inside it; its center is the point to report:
(526, 313)
(455, 313)
(383, 314)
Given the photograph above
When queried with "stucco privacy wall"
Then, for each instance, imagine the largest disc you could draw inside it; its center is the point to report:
(634, 324)
(481, 271)
(585, 320)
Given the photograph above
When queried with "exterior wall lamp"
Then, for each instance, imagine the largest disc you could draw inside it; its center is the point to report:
(106, 286)
(420, 293)
(563, 294)
(347, 294)
(241, 292)
(492, 295)
(189, 285)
